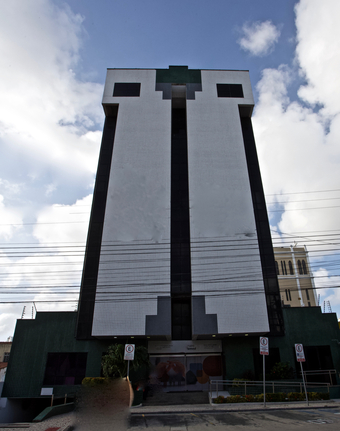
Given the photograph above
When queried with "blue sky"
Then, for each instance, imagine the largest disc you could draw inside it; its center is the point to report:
(54, 56)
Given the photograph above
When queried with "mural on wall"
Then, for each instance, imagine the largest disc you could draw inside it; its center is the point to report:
(186, 373)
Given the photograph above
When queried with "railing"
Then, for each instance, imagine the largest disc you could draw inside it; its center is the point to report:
(328, 376)
(242, 387)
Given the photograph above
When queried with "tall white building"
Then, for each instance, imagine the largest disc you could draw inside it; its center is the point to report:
(179, 246)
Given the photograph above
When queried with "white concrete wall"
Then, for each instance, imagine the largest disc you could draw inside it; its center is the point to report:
(225, 257)
(135, 258)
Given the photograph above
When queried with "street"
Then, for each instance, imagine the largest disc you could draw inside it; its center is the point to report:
(302, 419)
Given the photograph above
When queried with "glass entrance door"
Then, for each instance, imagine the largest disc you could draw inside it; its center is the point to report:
(185, 373)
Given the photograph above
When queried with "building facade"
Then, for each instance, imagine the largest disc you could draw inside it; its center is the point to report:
(179, 256)
(295, 277)
(179, 246)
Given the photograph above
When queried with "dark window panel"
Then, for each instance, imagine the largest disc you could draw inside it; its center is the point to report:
(65, 368)
(126, 89)
(229, 90)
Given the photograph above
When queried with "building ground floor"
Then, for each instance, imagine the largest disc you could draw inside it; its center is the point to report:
(46, 357)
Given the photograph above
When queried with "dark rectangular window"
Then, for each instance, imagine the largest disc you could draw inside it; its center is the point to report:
(65, 368)
(126, 89)
(181, 320)
(229, 90)
(6, 356)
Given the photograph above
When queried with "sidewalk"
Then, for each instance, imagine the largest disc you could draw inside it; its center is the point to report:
(66, 421)
(232, 407)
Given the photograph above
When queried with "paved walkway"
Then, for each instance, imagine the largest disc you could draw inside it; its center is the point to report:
(103, 420)
(231, 407)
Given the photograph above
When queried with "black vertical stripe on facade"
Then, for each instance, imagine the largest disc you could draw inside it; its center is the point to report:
(180, 229)
(273, 299)
(94, 238)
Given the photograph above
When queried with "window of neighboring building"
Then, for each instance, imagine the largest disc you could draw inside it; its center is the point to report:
(307, 294)
(304, 267)
(288, 295)
(277, 268)
(65, 368)
(291, 270)
(300, 267)
(283, 267)
(6, 356)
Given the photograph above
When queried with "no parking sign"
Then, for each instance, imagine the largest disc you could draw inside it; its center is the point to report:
(300, 354)
(129, 352)
(264, 346)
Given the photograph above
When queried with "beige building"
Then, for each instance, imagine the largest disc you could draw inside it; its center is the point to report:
(295, 277)
(5, 348)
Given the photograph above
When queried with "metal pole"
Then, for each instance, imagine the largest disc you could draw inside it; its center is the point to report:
(264, 381)
(304, 383)
(128, 369)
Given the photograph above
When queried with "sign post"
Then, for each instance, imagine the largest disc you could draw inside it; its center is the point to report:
(264, 350)
(129, 355)
(300, 357)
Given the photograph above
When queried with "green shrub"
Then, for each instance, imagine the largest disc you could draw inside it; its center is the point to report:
(94, 381)
(296, 396)
(316, 396)
(281, 371)
(219, 400)
(249, 398)
(238, 382)
(276, 397)
(270, 397)
(236, 399)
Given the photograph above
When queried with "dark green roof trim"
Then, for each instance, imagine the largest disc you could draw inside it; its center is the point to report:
(178, 75)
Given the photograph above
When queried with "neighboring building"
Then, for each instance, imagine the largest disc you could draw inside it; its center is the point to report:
(295, 277)
(5, 349)
(179, 256)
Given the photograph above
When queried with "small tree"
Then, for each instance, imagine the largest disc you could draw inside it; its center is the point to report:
(281, 371)
(113, 362)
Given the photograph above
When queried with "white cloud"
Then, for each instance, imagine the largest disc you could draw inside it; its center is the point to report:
(47, 116)
(50, 131)
(69, 223)
(323, 281)
(317, 52)
(10, 220)
(259, 38)
(297, 142)
(49, 271)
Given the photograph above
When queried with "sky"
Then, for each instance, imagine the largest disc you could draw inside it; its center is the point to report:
(53, 60)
